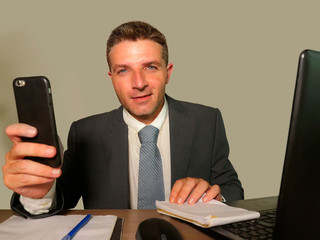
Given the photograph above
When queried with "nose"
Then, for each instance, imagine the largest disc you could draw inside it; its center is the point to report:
(139, 81)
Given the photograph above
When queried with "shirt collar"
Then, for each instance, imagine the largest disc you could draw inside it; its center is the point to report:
(137, 125)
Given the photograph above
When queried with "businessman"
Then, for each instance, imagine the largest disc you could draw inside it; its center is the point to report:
(107, 162)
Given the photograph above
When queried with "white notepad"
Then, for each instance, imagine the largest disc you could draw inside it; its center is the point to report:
(213, 213)
(56, 227)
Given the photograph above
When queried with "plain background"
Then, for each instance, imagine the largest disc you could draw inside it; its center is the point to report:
(238, 56)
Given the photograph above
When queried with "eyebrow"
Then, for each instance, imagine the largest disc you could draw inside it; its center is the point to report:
(152, 62)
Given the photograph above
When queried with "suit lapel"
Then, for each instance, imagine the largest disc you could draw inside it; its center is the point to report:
(181, 137)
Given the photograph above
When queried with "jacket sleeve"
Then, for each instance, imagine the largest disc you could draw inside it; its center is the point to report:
(222, 171)
(57, 206)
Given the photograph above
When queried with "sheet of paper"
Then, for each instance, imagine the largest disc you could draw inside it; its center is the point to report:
(213, 213)
(56, 227)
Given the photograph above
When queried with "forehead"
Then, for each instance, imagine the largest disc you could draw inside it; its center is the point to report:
(135, 51)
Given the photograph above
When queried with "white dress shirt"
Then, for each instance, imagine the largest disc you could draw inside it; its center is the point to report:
(134, 126)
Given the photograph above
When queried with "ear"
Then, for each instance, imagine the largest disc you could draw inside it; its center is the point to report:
(169, 71)
(110, 74)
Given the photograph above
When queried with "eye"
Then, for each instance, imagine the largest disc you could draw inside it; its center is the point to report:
(151, 67)
(122, 71)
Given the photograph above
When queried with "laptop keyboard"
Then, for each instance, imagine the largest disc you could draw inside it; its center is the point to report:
(261, 228)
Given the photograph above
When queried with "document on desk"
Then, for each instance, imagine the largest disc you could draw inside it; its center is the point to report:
(213, 213)
(56, 227)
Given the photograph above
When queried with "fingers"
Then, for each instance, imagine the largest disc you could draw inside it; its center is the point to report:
(20, 174)
(27, 177)
(188, 188)
(22, 149)
(17, 130)
(20, 181)
(213, 192)
(192, 189)
(29, 167)
(175, 196)
(196, 191)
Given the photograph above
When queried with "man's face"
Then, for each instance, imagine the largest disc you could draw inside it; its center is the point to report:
(139, 76)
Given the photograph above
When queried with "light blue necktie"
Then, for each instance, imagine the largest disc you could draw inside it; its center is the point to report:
(150, 183)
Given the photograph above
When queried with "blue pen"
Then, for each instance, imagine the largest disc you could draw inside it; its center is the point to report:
(73, 232)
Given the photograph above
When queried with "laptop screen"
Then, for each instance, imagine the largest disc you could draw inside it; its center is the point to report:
(298, 211)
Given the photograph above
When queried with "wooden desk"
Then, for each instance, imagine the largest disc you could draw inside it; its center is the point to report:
(132, 218)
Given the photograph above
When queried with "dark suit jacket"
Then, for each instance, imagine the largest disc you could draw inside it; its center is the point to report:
(96, 161)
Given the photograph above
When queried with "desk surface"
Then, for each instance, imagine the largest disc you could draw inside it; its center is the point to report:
(132, 218)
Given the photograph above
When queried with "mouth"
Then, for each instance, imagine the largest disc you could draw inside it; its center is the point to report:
(142, 97)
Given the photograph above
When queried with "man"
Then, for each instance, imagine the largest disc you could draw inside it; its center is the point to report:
(101, 163)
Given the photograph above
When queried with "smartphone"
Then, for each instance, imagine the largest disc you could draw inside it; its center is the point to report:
(34, 104)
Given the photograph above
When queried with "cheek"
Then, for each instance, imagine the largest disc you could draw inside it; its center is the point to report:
(119, 88)
(160, 85)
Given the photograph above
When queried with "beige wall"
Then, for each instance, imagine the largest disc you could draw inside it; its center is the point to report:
(239, 56)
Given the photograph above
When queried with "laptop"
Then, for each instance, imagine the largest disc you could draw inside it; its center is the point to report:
(296, 213)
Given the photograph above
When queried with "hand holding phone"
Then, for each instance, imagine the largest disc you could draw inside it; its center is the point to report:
(29, 179)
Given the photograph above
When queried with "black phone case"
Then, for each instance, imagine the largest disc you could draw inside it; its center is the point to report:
(35, 107)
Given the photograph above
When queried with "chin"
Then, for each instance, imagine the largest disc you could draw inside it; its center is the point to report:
(143, 116)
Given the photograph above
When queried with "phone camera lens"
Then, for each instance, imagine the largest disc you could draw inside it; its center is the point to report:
(20, 83)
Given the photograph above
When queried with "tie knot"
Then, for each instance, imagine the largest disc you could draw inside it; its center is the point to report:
(148, 134)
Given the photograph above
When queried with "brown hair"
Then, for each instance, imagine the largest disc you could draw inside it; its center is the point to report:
(134, 31)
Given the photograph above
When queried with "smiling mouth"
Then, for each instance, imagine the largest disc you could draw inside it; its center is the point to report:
(141, 97)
